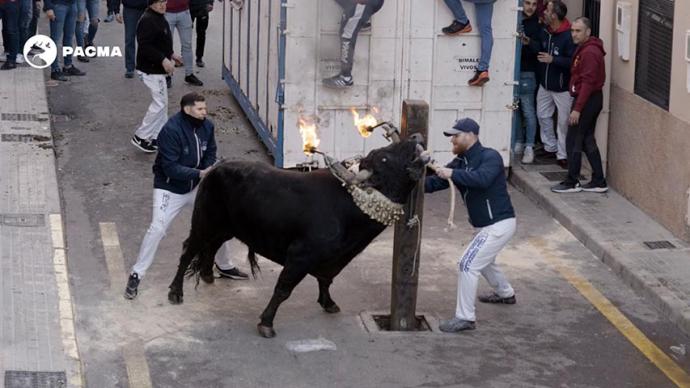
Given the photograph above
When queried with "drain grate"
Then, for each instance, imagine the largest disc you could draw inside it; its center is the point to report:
(19, 117)
(25, 220)
(663, 244)
(13, 137)
(30, 379)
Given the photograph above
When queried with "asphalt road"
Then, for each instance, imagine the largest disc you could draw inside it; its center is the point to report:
(554, 336)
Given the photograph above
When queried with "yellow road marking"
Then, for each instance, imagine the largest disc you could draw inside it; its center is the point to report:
(65, 307)
(137, 367)
(133, 353)
(623, 324)
(113, 256)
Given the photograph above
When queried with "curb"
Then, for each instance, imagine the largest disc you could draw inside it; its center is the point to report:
(643, 282)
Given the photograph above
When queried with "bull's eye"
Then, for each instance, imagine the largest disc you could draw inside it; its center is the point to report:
(384, 160)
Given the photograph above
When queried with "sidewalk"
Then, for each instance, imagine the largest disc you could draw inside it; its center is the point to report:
(616, 231)
(36, 317)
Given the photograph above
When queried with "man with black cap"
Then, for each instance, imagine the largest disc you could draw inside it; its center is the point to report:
(477, 171)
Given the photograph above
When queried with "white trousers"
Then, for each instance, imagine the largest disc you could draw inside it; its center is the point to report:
(547, 103)
(480, 257)
(157, 114)
(166, 206)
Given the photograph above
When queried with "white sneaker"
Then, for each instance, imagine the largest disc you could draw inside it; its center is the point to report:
(519, 147)
(20, 58)
(528, 157)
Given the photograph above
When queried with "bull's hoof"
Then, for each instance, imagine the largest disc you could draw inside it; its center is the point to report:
(175, 297)
(266, 331)
(332, 309)
(208, 279)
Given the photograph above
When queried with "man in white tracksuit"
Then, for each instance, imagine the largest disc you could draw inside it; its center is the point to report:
(187, 151)
(478, 173)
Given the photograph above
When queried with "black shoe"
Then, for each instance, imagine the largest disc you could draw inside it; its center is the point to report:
(495, 298)
(366, 27)
(143, 144)
(154, 143)
(563, 163)
(8, 65)
(595, 187)
(567, 187)
(479, 78)
(82, 58)
(132, 286)
(192, 80)
(200, 63)
(338, 82)
(129, 74)
(544, 154)
(232, 273)
(72, 70)
(168, 81)
(57, 76)
(457, 28)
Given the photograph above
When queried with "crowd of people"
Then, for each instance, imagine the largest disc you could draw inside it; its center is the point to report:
(78, 20)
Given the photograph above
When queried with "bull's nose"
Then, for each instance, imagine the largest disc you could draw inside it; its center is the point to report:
(418, 137)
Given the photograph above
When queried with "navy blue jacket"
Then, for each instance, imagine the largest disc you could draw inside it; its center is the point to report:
(532, 28)
(480, 177)
(50, 4)
(183, 151)
(555, 76)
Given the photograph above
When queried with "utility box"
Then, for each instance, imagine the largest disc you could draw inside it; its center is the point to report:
(623, 28)
(276, 52)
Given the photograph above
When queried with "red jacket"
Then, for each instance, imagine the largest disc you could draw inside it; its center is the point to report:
(175, 6)
(588, 72)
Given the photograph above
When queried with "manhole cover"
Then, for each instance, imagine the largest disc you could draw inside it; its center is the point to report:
(19, 117)
(22, 219)
(30, 379)
(663, 244)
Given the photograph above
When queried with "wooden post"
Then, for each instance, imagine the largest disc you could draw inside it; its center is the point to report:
(407, 238)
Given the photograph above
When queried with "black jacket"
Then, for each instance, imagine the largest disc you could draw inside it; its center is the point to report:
(136, 4)
(480, 177)
(182, 152)
(199, 6)
(528, 58)
(154, 42)
(555, 76)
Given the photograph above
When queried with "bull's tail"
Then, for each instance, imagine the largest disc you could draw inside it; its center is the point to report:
(253, 263)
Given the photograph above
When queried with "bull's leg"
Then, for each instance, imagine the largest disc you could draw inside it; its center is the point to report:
(325, 300)
(208, 257)
(289, 278)
(175, 295)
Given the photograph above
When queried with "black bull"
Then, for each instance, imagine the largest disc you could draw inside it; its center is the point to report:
(307, 222)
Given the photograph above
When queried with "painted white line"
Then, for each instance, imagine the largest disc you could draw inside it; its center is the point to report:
(65, 306)
(133, 353)
(114, 259)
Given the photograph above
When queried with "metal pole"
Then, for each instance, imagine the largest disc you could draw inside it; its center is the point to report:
(407, 238)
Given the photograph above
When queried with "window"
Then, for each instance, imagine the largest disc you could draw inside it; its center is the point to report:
(654, 48)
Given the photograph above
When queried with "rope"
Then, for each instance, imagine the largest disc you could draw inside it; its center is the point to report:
(451, 213)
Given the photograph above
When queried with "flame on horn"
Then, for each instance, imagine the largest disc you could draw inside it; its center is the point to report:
(310, 139)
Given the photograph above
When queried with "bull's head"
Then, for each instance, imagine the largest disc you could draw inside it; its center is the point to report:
(393, 170)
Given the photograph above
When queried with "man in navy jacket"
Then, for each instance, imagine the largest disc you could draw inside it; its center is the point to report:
(478, 173)
(186, 153)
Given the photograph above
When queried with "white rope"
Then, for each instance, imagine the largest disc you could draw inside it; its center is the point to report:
(451, 213)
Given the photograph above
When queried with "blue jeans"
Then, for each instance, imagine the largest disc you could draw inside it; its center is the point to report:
(485, 12)
(9, 16)
(130, 18)
(62, 29)
(84, 6)
(33, 24)
(528, 89)
(183, 22)
(26, 11)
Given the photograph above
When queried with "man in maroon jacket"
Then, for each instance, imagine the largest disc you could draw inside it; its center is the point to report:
(587, 77)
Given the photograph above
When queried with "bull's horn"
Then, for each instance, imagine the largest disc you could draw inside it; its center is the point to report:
(422, 154)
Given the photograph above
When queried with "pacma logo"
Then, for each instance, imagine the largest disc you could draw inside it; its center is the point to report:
(40, 51)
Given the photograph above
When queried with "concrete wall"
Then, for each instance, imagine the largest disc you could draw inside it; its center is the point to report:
(649, 147)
